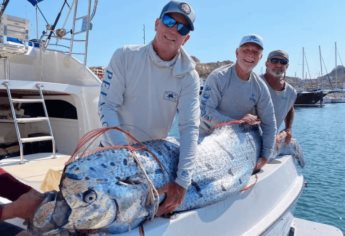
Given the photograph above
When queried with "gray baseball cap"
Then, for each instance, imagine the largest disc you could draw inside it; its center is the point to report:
(252, 38)
(182, 8)
(278, 53)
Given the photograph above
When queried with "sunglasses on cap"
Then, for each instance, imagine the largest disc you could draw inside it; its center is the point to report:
(282, 61)
(170, 22)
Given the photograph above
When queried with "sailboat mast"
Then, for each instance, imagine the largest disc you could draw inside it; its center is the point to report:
(336, 64)
(320, 59)
(303, 63)
(320, 66)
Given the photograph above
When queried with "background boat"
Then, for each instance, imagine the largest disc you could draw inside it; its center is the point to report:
(310, 98)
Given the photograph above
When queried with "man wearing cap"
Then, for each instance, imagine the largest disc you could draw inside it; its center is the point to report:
(283, 94)
(235, 92)
(145, 86)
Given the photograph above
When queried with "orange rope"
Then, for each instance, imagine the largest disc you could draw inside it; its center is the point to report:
(246, 188)
(94, 134)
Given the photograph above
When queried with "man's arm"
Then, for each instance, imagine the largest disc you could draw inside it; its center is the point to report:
(268, 125)
(111, 98)
(189, 119)
(11, 188)
(24, 199)
(288, 124)
(210, 99)
(24, 207)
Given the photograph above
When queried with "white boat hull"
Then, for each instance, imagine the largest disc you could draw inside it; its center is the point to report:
(262, 210)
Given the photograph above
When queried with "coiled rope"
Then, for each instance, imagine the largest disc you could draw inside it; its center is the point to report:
(90, 137)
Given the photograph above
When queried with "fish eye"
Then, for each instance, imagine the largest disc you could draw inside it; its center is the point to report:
(89, 196)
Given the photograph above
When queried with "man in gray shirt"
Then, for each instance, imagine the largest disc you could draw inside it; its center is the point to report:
(145, 86)
(282, 93)
(236, 93)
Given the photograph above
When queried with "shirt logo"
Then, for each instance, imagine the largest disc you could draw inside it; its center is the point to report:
(253, 98)
(170, 96)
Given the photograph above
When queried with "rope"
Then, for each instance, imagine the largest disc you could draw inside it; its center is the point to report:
(231, 122)
(152, 195)
(246, 188)
(94, 134)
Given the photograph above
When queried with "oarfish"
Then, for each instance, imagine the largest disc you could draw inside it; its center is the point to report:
(113, 190)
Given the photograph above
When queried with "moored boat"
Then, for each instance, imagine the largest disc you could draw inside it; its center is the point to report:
(310, 98)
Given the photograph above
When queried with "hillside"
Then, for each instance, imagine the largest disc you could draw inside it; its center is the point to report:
(332, 80)
(204, 69)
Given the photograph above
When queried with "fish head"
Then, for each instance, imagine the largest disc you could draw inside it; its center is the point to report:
(104, 193)
(91, 207)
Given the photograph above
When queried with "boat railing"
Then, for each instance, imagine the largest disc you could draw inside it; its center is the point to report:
(71, 38)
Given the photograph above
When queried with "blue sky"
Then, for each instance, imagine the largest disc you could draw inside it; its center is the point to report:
(219, 26)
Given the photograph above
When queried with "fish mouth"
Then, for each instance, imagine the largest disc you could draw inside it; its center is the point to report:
(62, 211)
(52, 214)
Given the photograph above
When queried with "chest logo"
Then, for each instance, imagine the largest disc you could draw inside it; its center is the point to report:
(253, 98)
(170, 96)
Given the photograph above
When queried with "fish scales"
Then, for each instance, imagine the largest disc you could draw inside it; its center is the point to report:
(107, 191)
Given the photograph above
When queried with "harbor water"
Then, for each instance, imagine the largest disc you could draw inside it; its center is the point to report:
(321, 133)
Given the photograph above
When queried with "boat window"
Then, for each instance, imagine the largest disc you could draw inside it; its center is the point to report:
(55, 108)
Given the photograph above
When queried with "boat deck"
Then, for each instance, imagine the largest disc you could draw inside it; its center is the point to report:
(33, 171)
(309, 228)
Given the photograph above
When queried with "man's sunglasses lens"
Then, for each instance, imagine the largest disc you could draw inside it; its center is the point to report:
(168, 21)
(278, 60)
(171, 22)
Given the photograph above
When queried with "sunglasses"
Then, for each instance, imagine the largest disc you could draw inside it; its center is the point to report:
(170, 22)
(279, 60)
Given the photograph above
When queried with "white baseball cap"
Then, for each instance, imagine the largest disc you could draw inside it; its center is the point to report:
(252, 38)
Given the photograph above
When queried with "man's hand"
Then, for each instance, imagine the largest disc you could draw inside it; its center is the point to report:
(24, 207)
(285, 134)
(174, 197)
(24, 233)
(288, 136)
(250, 119)
(259, 164)
(280, 137)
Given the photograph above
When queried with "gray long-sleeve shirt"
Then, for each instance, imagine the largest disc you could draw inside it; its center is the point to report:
(227, 97)
(282, 101)
(141, 93)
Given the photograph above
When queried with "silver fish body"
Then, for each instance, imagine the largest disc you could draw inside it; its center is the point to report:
(108, 191)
